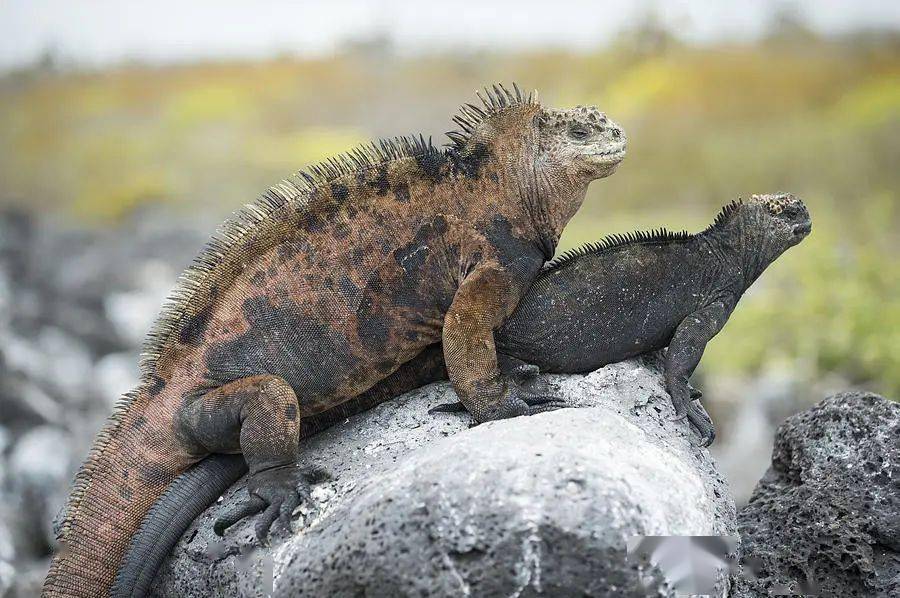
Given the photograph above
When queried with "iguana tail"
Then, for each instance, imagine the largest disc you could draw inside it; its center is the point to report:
(134, 459)
(170, 517)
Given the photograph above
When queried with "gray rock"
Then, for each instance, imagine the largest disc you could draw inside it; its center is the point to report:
(748, 410)
(26, 578)
(54, 359)
(39, 472)
(133, 312)
(115, 374)
(7, 548)
(25, 404)
(8, 573)
(7, 577)
(825, 518)
(422, 504)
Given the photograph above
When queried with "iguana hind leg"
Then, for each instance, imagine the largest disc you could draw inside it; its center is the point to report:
(260, 417)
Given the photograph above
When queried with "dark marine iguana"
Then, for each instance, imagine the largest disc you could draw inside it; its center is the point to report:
(321, 289)
(644, 291)
(601, 303)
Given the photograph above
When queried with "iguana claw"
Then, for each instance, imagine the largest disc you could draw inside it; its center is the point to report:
(533, 397)
(275, 493)
(456, 407)
(700, 422)
(696, 393)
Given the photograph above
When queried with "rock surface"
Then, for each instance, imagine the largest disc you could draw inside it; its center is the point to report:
(826, 516)
(422, 504)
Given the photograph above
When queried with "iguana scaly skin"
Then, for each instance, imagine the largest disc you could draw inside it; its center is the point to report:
(635, 293)
(598, 304)
(321, 289)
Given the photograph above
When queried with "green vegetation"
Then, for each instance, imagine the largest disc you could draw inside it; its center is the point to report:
(816, 117)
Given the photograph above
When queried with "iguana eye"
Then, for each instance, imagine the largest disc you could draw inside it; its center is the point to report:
(579, 132)
(788, 211)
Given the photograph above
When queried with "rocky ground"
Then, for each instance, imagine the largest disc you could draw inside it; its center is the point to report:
(825, 519)
(422, 505)
(74, 305)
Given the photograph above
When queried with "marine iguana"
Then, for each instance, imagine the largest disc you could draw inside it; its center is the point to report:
(644, 291)
(324, 287)
(598, 304)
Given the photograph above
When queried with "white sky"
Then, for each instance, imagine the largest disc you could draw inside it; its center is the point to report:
(99, 32)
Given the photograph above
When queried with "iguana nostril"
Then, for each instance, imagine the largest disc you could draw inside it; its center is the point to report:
(616, 133)
(803, 229)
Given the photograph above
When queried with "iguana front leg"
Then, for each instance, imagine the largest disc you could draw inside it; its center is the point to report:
(259, 417)
(483, 301)
(682, 357)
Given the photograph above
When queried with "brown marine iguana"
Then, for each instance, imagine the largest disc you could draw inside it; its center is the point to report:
(324, 287)
(601, 303)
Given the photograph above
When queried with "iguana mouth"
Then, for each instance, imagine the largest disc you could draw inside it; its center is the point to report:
(615, 153)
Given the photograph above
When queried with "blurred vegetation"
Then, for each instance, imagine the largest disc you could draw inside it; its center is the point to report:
(817, 117)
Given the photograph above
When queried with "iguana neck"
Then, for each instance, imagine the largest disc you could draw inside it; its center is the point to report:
(569, 197)
(742, 248)
(547, 193)
(550, 200)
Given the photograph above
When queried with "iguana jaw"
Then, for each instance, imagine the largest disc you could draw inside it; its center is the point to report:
(603, 163)
(610, 156)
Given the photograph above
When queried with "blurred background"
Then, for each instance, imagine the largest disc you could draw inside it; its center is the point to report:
(128, 130)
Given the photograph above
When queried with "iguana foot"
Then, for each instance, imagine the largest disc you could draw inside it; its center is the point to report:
(534, 393)
(529, 398)
(519, 401)
(275, 493)
(702, 423)
(682, 395)
(688, 407)
(539, 403)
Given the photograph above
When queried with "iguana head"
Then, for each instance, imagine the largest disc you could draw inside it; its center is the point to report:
(582, 141)
(546, 157)
(783, 216)
(512, 131)
(763, 228)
